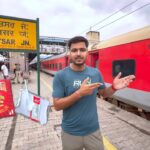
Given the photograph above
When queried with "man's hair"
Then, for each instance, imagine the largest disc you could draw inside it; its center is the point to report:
(78, 39)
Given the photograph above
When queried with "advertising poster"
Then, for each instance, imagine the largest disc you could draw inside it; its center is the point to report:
(6, 99)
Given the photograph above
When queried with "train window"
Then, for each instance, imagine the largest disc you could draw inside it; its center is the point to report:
(60, 66)
(56, 66)
(127, 67)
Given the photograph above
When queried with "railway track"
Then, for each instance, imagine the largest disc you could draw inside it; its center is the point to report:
(129, 108)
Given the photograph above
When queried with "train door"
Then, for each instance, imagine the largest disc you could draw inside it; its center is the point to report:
(67, 61)
(95, 59)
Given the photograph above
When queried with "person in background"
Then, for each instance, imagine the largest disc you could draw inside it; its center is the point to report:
(14, 69)
(74, 91)
(4, 70)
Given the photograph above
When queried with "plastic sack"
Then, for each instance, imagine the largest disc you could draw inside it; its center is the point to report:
(32, 106)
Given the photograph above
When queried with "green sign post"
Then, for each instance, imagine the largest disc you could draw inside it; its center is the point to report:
(20, 35)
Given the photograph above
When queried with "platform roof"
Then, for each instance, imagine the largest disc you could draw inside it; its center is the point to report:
(53, 40)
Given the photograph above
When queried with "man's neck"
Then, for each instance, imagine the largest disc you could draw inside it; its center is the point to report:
(76, 67)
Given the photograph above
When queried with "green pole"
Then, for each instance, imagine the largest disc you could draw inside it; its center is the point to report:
(38, 58)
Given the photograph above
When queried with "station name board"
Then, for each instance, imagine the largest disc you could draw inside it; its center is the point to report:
(18, 34)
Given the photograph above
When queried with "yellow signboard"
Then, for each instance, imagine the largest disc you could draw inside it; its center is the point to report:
(18, 34)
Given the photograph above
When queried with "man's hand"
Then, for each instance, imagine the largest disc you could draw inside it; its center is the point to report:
(87, 89)
(120, 83)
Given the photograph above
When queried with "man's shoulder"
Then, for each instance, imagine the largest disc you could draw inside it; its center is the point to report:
(92, 69)
(62, 72)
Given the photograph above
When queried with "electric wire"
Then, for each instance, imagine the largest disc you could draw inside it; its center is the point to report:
(122, 17)
(111, 15)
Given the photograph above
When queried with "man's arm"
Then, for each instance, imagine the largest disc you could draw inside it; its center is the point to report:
(85, 89)
(118, 83)
(62, 103)
(106, 92)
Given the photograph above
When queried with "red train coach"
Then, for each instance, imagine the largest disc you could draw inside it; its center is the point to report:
(54, 63)
(128, 53)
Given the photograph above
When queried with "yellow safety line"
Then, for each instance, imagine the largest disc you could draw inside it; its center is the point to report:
(48, 85)
(107, 144)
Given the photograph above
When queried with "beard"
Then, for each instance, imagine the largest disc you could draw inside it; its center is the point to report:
(78, 61)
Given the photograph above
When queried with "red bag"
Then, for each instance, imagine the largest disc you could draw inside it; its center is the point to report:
(6, 99)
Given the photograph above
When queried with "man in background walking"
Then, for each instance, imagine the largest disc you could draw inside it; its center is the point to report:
(4, 70)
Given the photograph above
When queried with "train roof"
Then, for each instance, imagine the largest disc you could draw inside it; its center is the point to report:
(56, 56)
(42, 57)
(137, 35)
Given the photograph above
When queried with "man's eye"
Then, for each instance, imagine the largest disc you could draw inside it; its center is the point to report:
(82, 49)
(74, 50)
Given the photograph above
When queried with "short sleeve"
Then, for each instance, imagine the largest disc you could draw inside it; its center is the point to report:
(58, 87)
(101, 81)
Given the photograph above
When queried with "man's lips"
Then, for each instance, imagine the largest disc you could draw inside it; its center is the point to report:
(78, 58)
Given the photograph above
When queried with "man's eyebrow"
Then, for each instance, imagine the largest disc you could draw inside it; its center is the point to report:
(78, 48)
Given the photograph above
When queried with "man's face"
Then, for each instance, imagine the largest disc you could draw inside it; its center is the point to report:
(78, 53)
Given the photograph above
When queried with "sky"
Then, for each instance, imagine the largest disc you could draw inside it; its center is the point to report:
(68, 18)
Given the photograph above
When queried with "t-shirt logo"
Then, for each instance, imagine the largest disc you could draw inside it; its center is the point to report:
(77, 83)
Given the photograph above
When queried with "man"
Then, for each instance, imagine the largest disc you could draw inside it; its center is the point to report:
(4, 70)
(74, 91)
(14, 69)
(18, 74)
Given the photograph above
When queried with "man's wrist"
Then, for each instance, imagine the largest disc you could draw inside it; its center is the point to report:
(78, 94)
(113, 88)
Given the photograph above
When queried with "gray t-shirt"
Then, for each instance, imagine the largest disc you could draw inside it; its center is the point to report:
(81, 118)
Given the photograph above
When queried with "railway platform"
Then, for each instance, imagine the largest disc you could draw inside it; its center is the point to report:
(121, 130)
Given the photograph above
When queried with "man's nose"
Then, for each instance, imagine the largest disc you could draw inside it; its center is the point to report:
(78, 52)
